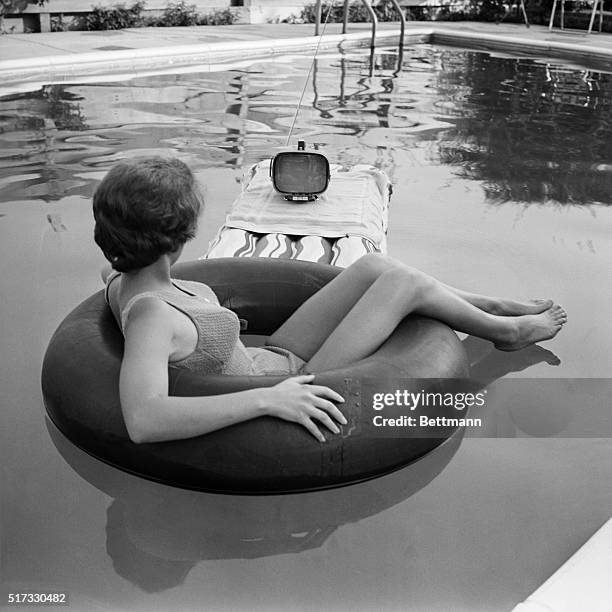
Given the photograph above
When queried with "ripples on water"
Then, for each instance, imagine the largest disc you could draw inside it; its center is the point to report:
(528, 131)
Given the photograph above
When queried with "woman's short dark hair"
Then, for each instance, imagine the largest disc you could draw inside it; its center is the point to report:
(144, 208)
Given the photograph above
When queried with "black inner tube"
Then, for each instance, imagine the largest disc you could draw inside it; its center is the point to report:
(266, 455)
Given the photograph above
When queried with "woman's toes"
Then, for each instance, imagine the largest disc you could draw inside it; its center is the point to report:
(559, 313)
(543, 304)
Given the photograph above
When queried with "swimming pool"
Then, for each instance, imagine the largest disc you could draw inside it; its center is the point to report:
(502, 170)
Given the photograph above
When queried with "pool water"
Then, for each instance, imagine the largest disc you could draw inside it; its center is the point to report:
(502, 173)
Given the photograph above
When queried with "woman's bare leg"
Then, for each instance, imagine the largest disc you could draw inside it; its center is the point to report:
(492, 305)
(400, 291)
(315, 325)
(502, 306)
(312, 323)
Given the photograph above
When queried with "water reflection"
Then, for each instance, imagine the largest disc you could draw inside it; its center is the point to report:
(157, 534)
(527, 131)
(487, 364)
(531, 132)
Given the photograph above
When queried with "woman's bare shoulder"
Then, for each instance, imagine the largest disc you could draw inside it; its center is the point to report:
(105, 272)
(147, 311)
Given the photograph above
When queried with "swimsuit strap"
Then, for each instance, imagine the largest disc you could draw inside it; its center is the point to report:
(109, 279)
(168, 298)
(126, 311)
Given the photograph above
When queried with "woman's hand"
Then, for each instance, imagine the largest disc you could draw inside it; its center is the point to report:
(298, 401)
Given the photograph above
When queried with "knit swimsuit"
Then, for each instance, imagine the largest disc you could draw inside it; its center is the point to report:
(218, 349)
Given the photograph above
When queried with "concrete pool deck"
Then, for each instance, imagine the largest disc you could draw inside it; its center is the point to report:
(30, 60)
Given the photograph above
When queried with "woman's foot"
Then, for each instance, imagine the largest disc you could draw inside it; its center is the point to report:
(501, 306)
(513, 308)
(532, 328)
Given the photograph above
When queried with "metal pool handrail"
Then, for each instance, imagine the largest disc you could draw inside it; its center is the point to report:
(398, 8)
(373, 18)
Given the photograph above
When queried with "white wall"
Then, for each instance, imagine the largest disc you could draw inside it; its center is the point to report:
(264, 11)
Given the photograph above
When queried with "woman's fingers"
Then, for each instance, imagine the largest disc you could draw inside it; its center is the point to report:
(303, 378)
(312, 428)
(322, 391)
(331, 409)
(324, 418)
(317, 404)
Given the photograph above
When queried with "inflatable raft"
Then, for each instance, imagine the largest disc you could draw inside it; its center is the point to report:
(347, 221)
(80, 381)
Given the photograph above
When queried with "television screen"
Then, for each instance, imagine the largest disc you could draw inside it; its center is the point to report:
(297, 172)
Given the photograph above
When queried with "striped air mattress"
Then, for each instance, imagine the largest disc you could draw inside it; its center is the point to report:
(346, 222)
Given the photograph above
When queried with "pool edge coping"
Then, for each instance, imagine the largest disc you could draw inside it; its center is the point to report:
(26, 74)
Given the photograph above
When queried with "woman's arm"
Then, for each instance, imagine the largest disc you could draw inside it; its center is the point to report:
(151, 415)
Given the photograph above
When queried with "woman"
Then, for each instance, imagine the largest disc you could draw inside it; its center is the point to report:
(145, 211)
